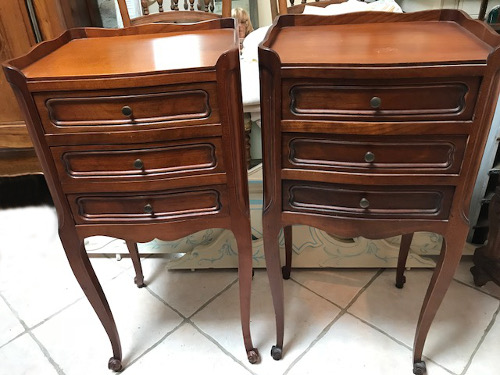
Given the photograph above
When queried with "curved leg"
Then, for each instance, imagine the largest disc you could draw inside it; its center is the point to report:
(273, 265)
(245, 272)
(287, 268)
(85, 275)
(404, 249)
(136, 261)
(449, 258)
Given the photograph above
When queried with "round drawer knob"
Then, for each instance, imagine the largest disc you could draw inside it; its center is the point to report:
(126, 111)
(138, 164)
(369, 157)
(148, 209)
(364, 203)
(375, 102)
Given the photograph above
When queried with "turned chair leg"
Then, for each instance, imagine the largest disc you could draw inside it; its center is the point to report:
(136, 261)
(287, 268)
(404, 249)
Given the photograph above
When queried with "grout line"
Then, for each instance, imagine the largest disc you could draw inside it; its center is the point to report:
(129, 364)
(483, 337)
(362, 290)
(47, 354)
(426, 359)
(216, 343)
(214, 297)
(319, 337)
(57, 313)
(477, 288)
(27, 330)
(13, 339)
(164, 302)
(343, 311)
(315, 293)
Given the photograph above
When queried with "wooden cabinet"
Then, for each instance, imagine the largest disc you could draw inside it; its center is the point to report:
(374, 125)
(21, 27)
(140, 139)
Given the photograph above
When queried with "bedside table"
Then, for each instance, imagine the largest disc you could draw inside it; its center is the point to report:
(140, 138)
(373, 125)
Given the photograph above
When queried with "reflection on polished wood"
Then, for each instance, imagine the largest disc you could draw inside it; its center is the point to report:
(346, 101)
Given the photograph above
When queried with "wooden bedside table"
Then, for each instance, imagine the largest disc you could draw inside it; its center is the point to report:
(140, 135)
(373, 125)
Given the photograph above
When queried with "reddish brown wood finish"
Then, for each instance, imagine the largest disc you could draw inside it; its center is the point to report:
(132, 147)
(373, 125)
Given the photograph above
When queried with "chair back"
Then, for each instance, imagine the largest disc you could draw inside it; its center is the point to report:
(194, 11)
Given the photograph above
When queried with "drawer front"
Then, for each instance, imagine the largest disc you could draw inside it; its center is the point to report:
(174, 159)
(389, 202)
(151, 207)
(115, 110)
(387, 100)
(398, 155)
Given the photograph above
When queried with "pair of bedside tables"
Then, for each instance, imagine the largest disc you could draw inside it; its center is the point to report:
(373, 125)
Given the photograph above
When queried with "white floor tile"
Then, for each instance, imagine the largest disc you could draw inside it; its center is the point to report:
(187, 351)
(306, 316)
(456, 330)
(35, 276)
(352, 347)
(463, 274)
(24, 357)
(184, 290)
(77, 341)
(485, 362)
(339, 286)
(9, 324)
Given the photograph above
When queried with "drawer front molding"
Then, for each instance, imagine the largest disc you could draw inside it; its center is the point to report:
(110, 208)
(375, 154)
(382, 101)
(403, 202)
(112, 162)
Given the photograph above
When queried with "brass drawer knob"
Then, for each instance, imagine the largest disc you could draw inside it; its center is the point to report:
(375, 102)
(138, 164)
(369, 157)
(148, 209)
(364, 203)
(126, 111)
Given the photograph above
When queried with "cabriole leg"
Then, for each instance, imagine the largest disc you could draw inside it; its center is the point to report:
(404, 249)
(273, 265)
(287, 268)
(86, 277)
(136, 261)
(245, 272)
(449, 258)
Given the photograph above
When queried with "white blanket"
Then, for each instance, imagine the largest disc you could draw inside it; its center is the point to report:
(249, 56)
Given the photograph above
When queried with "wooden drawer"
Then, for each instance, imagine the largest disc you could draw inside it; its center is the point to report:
(404, 202)
(138, 161)
(376, 154)
(127, 110)
(381, 100)
(150, 207)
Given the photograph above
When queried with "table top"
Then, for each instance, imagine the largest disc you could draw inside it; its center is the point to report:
(379, 44)
(133, 54)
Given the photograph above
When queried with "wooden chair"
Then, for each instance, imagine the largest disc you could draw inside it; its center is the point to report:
(204, 11)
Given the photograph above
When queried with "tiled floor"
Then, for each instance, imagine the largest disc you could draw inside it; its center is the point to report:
(342, 321)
